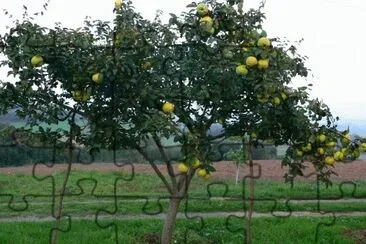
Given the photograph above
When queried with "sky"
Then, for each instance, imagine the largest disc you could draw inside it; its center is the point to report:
(332, 30)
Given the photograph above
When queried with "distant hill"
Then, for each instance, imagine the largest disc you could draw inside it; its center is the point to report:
(356, 126)
(10, 118)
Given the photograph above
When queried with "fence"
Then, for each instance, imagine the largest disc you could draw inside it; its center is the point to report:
(18, 155)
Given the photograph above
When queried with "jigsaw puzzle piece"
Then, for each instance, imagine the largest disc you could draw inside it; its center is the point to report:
(121, 207)
(321, 216)
(348, 189)
(231, 208)
(254, 206)
(21, 203)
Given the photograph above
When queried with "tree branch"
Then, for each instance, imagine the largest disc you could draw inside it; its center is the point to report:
(156, 169)
(167, 162)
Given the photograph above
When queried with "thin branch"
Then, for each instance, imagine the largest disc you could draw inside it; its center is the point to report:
(186, 179)
(241, 7)
(155, 168)
(167, 162)
(63, 187)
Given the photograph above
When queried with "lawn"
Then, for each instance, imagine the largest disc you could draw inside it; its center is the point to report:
(215, 230)
(144, 196)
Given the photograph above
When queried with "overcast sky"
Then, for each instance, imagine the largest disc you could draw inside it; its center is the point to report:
(333, 32)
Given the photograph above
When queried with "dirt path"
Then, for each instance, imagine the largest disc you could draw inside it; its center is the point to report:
(281, 214)
(269, 169)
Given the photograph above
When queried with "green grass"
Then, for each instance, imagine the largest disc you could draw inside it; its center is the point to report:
(87, 192)
(215, 230)
(151, 185)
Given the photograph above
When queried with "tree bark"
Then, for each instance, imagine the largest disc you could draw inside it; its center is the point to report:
(237, 175)
(62, 194)
(169, 223)
(60, 206)
(251, 194)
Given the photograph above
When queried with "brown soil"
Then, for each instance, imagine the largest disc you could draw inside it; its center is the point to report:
(265, 169)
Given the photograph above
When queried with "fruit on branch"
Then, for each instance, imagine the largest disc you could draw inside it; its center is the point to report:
(338, 156)
(202, 173)
(118, 4)
(37, 61)
(97, 78)
(251, 61)
(329, 160)
(241, 70)
(346, 139)
(331, 144)
(202, 9)
(320, 151)
(299, 153)
(196, 163)
(322, 137)
(276, 101)
(262, 98)
(283, 95)
(168, 107)
(182, 168)
(263, 64)
(263, 42)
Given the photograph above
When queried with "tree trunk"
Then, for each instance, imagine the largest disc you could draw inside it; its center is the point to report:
(63, 187)
(237, 175)
(251, 194)
(169, 223)
(62, 194)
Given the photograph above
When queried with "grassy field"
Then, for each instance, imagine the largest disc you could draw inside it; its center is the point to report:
(144, 195)
(215, 230)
